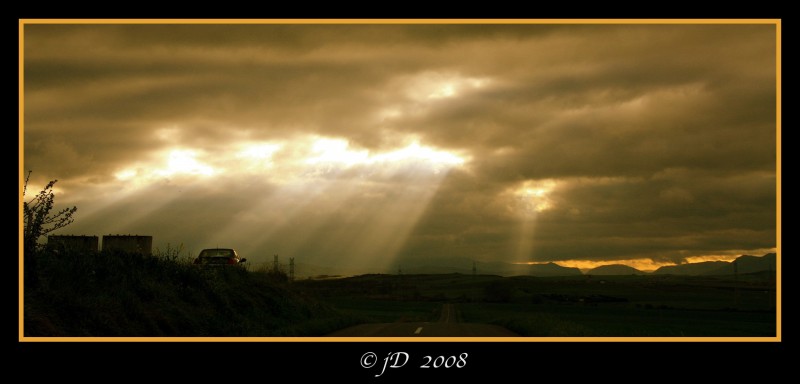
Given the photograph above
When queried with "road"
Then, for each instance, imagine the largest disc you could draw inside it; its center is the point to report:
(447, 326)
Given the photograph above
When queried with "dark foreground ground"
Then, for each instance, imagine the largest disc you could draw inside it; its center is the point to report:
(608, 306)
(91, 295)
(448, 325)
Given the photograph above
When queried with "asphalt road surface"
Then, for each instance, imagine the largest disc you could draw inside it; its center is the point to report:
(447, 326)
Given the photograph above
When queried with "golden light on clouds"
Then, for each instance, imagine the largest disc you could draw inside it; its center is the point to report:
(336, 151)
(259, 152)
(650, 265)
(416, 153)
(375, 143)
(644, 265)
(534, 196)
(176, 162)
(437, 85)
(302, 158)
(184, 161)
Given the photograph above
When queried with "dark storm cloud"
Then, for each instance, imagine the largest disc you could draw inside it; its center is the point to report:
(660, 139)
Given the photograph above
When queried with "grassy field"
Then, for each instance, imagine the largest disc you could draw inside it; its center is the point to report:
(118, 294)
(647, 305)
(388, 311)
(104, 294)
(618, 320)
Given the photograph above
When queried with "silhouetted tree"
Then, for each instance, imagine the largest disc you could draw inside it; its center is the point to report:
(39, 221)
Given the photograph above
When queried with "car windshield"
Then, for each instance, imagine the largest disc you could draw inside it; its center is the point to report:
(217, 253)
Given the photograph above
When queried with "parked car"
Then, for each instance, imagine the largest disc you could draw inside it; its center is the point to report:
(218, 257)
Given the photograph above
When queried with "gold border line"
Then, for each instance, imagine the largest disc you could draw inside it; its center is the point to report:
(776, 22)
(400, 21)
(21, 173)
(778, 170)
(400, 339)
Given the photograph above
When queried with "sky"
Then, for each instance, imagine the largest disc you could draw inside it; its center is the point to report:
(361, 146)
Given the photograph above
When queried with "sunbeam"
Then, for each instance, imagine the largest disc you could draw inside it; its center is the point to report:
(359, 144)
(529, 200)
(320, 198)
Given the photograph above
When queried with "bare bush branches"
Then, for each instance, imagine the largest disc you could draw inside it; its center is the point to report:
(38, 219)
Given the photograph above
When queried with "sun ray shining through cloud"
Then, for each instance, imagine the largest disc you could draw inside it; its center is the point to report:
(325, 182)
(256, 157)
(372, 144)
(336, 151)
(184, 161)
(533, 197)
(526, 201)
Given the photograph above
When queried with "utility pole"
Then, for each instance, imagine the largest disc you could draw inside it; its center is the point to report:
(275, 264)
(474, 269)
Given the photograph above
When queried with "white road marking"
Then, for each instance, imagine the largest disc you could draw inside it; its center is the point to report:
(418, 331)
(447, 312)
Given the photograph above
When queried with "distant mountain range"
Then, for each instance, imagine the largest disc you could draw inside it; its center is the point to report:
(702, 268)
(614, 269)
(744, 264)
(463, 265)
